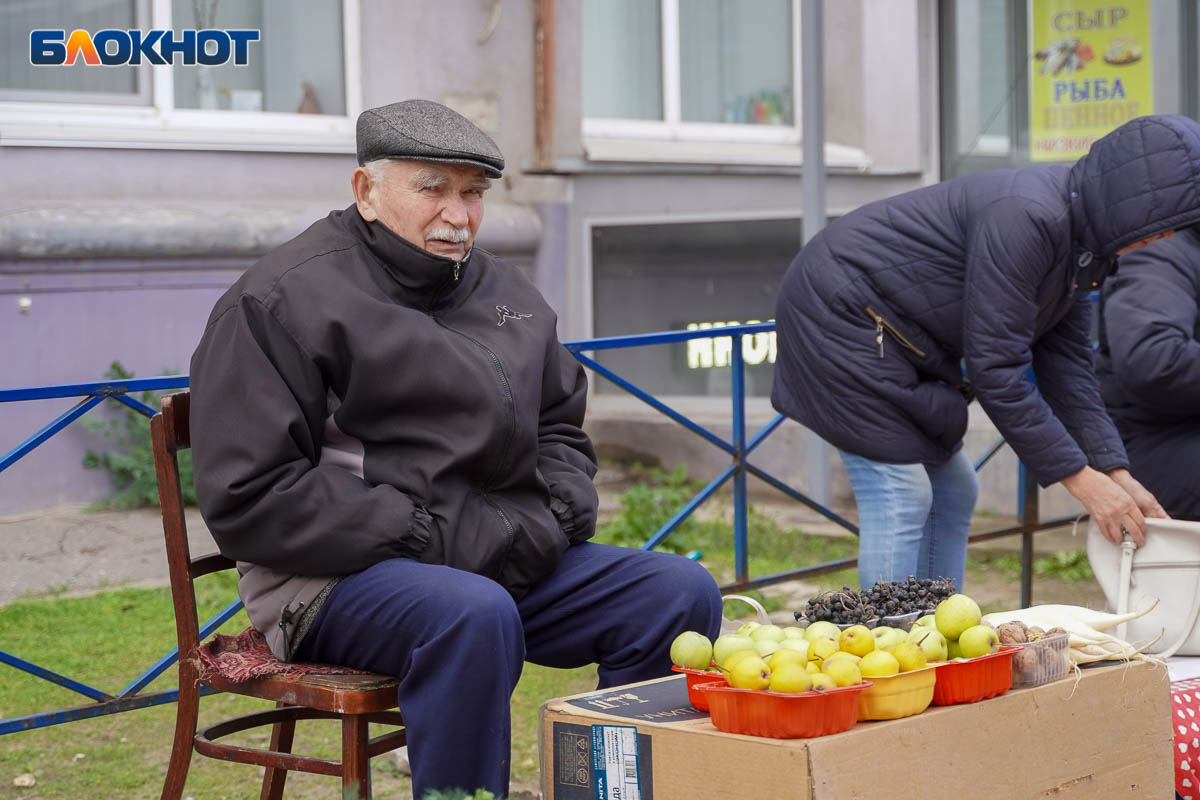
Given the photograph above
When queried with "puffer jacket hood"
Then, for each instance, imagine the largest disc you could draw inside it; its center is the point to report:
(883, 310)
(1138, 181)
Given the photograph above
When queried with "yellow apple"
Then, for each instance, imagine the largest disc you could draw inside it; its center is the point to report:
(821, 648)
(749, 673)
(910, 656)
(781, 657)
(813, 667)
(764, 647)
(878, 663)
(821, 681)
(793, 632)
(791, 677)
(733, 658)
(857, 639)
(843, 671)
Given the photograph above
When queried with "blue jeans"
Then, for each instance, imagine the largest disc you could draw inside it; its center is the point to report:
(913, 519)
(457, 642)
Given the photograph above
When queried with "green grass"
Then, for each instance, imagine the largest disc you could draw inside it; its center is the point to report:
(106, 640)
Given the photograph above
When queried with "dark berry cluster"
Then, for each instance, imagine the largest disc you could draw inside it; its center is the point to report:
(903, 597)
(840, 608)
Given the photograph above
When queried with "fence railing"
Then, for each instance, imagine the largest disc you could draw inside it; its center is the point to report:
(738, 449)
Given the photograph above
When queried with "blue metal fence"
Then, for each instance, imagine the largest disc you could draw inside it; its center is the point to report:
(739, 450)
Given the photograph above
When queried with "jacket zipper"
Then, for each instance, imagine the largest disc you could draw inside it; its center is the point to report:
(882, 325)
(508, 399)
(509, 534)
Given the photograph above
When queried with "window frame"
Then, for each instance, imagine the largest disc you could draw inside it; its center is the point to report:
(672, 127)
(160, 125)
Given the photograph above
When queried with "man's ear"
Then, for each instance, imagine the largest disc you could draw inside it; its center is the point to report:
(360, 182)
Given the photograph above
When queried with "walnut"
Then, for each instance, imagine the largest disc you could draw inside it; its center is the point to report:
(1011, 633)
(1052, 658)
(1055, 630)
(1026, 661)
(1034, 633)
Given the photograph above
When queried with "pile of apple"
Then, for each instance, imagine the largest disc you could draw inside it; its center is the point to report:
(793, 659)
(955, 631)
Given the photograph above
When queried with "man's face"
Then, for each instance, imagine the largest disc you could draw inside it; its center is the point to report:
(437, 207)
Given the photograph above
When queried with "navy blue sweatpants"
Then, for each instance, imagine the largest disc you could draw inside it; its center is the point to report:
(457, 642)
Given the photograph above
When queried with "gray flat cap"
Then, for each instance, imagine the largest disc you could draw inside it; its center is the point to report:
(422, 130)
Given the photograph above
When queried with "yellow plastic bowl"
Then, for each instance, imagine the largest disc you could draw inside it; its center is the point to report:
(896, 696)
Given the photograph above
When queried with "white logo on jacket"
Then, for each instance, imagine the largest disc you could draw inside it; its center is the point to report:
(506, 313)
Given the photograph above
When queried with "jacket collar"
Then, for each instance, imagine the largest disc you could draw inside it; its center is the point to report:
(419, 275)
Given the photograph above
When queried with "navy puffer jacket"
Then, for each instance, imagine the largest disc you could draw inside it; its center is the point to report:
(1149, 367)
(879, 309)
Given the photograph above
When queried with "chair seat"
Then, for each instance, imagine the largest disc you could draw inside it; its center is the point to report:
(359, 693)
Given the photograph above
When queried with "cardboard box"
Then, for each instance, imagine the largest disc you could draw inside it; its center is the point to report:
(1106, 736)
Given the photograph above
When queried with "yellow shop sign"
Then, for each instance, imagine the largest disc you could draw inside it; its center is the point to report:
(1090, 70)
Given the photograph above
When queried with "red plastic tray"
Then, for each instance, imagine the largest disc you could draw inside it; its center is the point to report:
(782, 716)
(974, 679)
(695, 677)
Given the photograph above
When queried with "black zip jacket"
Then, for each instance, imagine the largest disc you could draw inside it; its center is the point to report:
(356, 398)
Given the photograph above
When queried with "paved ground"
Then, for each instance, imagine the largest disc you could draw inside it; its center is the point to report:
(68, 549)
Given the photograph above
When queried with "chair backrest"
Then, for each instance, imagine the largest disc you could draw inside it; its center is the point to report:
(170, 433)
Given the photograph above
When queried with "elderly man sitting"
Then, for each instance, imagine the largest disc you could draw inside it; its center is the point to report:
(387, 437)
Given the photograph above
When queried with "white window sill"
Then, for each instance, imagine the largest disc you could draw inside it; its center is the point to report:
(61, 125)
(750, 153)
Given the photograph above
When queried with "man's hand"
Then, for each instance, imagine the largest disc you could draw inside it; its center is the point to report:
(1141, 495)
(1110, 505)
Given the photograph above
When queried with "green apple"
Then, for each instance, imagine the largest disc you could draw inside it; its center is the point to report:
(978, 640)
(772, 632)
(798, 645)
(952, 651)
(764, 647)
(822, 628)
(955, 614)
(931, 641)
(927, 621)
(793, 632)
(728, 644)
(746, 628)
(888, 638)
(691, 650)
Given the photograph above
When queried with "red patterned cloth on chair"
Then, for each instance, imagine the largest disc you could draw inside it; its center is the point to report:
(1185, 722)
(246, 656)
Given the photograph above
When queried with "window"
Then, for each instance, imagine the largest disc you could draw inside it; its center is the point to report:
(690, 276)
(298, 91)
(1035, 81)
(700, 69)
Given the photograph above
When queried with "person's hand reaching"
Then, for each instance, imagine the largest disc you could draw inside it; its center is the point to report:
(1109, 505)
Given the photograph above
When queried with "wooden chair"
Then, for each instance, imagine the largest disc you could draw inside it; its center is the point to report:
(354, 699)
